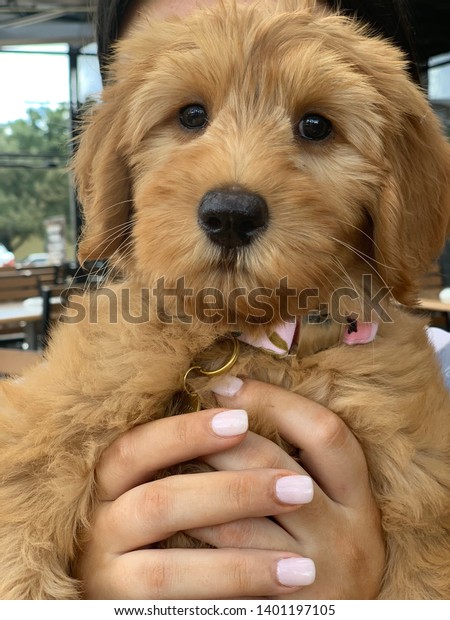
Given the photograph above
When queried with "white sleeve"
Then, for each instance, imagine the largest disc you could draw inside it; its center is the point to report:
(440, 340)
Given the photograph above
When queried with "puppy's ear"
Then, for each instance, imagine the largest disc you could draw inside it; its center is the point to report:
(102, 181)
(412, 219)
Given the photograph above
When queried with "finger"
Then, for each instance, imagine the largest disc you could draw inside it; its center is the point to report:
(154, 511)
(139, 453)
(256, 533)
(329, 451)
(253, 452)
(258, 452)
(202, 574)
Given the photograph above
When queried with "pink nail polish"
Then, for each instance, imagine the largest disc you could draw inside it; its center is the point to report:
(296, 572)
(294, 489)
(228, 385)
(230, 423)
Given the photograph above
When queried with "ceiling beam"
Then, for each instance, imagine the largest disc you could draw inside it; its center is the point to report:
(37, 18)
(22, 10)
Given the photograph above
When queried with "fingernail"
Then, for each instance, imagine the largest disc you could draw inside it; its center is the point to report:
(227, 386)
(296, 572)
(294, 489)
(230, 423)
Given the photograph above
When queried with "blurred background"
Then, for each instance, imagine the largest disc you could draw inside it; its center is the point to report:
(48, 68)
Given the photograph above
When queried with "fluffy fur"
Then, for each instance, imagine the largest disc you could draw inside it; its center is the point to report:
(373, 199)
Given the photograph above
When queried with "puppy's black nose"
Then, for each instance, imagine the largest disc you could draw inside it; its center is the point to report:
(232, 218)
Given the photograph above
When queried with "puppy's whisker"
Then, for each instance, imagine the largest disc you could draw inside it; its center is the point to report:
(372, 241)
(113, 229)
(364, 257)
(343, 270)
(338, 273)
(93, 254)
(326, 283)
(111, 237)
(105, 210)
(123, 250)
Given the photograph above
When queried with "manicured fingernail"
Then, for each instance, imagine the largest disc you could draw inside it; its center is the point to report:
(230, 423)
(227, 386)
(294, 489)
(296, 572)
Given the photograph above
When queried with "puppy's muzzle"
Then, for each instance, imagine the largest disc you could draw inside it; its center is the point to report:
(232, 218)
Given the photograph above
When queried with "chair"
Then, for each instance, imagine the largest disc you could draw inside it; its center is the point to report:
(47, 275)
(18, 287)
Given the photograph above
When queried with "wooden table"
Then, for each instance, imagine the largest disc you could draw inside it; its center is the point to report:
(16, 311)
(434, 304)
(28, 312)
(31, 313)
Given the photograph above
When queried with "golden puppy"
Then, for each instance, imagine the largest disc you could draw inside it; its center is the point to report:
(264, 166)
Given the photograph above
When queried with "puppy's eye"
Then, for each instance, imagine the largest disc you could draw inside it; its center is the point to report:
(314, 127)
(193, 116)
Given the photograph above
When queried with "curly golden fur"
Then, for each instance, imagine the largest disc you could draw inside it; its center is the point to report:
(373, 198)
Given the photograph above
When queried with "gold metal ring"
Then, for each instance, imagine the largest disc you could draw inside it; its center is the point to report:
(185, 387)
(228, 365)
(218, 371)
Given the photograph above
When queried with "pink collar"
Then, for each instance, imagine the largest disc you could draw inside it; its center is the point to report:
(279, 342)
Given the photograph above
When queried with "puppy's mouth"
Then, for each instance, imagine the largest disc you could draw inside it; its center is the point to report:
(232, 219)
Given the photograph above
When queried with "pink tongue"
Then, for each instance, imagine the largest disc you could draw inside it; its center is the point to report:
(279, 341)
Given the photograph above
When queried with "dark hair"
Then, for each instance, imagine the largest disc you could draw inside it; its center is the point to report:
(110, 15)
(388, 18)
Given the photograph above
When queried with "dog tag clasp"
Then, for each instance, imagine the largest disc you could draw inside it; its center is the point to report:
(191, 400)
(187, 402)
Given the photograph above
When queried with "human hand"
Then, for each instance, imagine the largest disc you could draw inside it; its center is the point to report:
(136, 512)
(340, 529)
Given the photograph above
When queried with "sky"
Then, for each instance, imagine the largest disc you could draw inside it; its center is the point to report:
(34, 80)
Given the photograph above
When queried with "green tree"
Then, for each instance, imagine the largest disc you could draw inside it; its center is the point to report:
(34, 183)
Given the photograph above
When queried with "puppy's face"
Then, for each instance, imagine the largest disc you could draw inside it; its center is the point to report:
(247, 145)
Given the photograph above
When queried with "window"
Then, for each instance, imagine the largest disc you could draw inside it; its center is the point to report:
(37, 210)
(439, 86)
